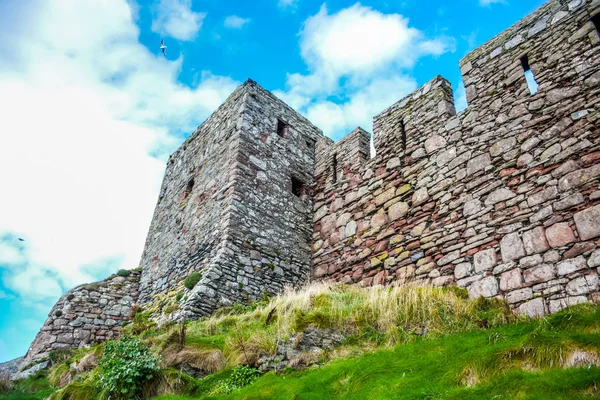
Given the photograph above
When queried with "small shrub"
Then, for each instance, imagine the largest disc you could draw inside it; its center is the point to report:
(124, 273)
(178, 297)
(58, 313)
(126, 366)
(192, 280)
(70, 297)
(241, 376)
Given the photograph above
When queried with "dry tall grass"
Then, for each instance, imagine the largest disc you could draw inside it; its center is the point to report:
(395, 313)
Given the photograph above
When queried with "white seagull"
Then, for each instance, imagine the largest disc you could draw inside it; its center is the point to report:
(163, 48)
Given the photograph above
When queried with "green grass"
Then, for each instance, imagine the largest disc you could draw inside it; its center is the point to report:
(401, 343)
(437, 368)
(35, 387)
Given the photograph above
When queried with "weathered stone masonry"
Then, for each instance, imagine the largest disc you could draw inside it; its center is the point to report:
(236, 206)
(503, 198)
(85, 315)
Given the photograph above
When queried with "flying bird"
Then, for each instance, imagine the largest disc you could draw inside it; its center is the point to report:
(21, 239)
(163, 48)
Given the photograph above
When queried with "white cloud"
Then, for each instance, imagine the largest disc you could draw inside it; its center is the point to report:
(359, 55)
(86, 112)
(487, 3)
(235, 22)
(287, 3)
(175, 18)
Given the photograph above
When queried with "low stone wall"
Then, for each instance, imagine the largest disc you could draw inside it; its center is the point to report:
(85, 315)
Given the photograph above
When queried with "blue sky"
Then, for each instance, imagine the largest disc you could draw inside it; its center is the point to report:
(91, 109)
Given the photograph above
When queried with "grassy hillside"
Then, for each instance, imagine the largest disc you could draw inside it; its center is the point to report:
(375, 343)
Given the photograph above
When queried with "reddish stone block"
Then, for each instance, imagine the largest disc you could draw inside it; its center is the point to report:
(535, 241)
(560, 234)
(511, 280)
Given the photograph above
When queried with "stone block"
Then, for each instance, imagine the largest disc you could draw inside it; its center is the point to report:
(557, 305)
(542, 196)
(478, 163)
(499, 195)
(572, 265)
(398, 210)
(434, 143)
(486, 287)
(588, 222)
(463, 270)
(503, 146)
(534, 308)
(517, 296)
(420, 196)
(583, 285)
(594, 260)
(511, 247)
(560, 234)
(485, 260)
(448, 258)
(535, 241)
(471, 207)
(511, 280)
(542, 273)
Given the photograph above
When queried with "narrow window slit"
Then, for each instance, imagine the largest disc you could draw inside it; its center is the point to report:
(334, 166)
(298, 187)
(282, 128)
(596, 21)
(189, 188)
(531, 82)
(403, 133)
(310, 143)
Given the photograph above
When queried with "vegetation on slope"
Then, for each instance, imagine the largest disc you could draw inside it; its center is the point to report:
(398, 342)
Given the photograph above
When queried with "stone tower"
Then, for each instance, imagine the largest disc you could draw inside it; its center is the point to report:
(235, 205)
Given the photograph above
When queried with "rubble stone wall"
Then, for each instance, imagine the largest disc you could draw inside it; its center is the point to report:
(239, 224)
(503, 198)
(85, 315)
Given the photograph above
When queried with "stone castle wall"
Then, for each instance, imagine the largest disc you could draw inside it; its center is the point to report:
(227, 208)
(85, 315)
(503, 198)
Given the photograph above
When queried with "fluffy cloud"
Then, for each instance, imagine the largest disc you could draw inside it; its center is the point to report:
(89, 116)
(235, 22)
(358, 55)
(175, 18)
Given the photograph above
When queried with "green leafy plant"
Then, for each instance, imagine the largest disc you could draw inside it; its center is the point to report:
(124, 273)
(179, 297)
(241, 376)
(126, 366)
(192, 280)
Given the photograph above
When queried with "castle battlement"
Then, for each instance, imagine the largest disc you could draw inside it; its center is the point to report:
(502, 199)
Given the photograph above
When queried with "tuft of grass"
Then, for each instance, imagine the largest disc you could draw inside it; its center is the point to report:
(191, 280)
(124, 273)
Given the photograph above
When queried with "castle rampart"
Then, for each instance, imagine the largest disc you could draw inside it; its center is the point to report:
(501, 199)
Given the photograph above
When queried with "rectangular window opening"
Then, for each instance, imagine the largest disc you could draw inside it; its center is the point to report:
(403, 133)
(334, 166)
(282, 128)
(531, 82)
(298, 187)
(596, 21)
(310, 143)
